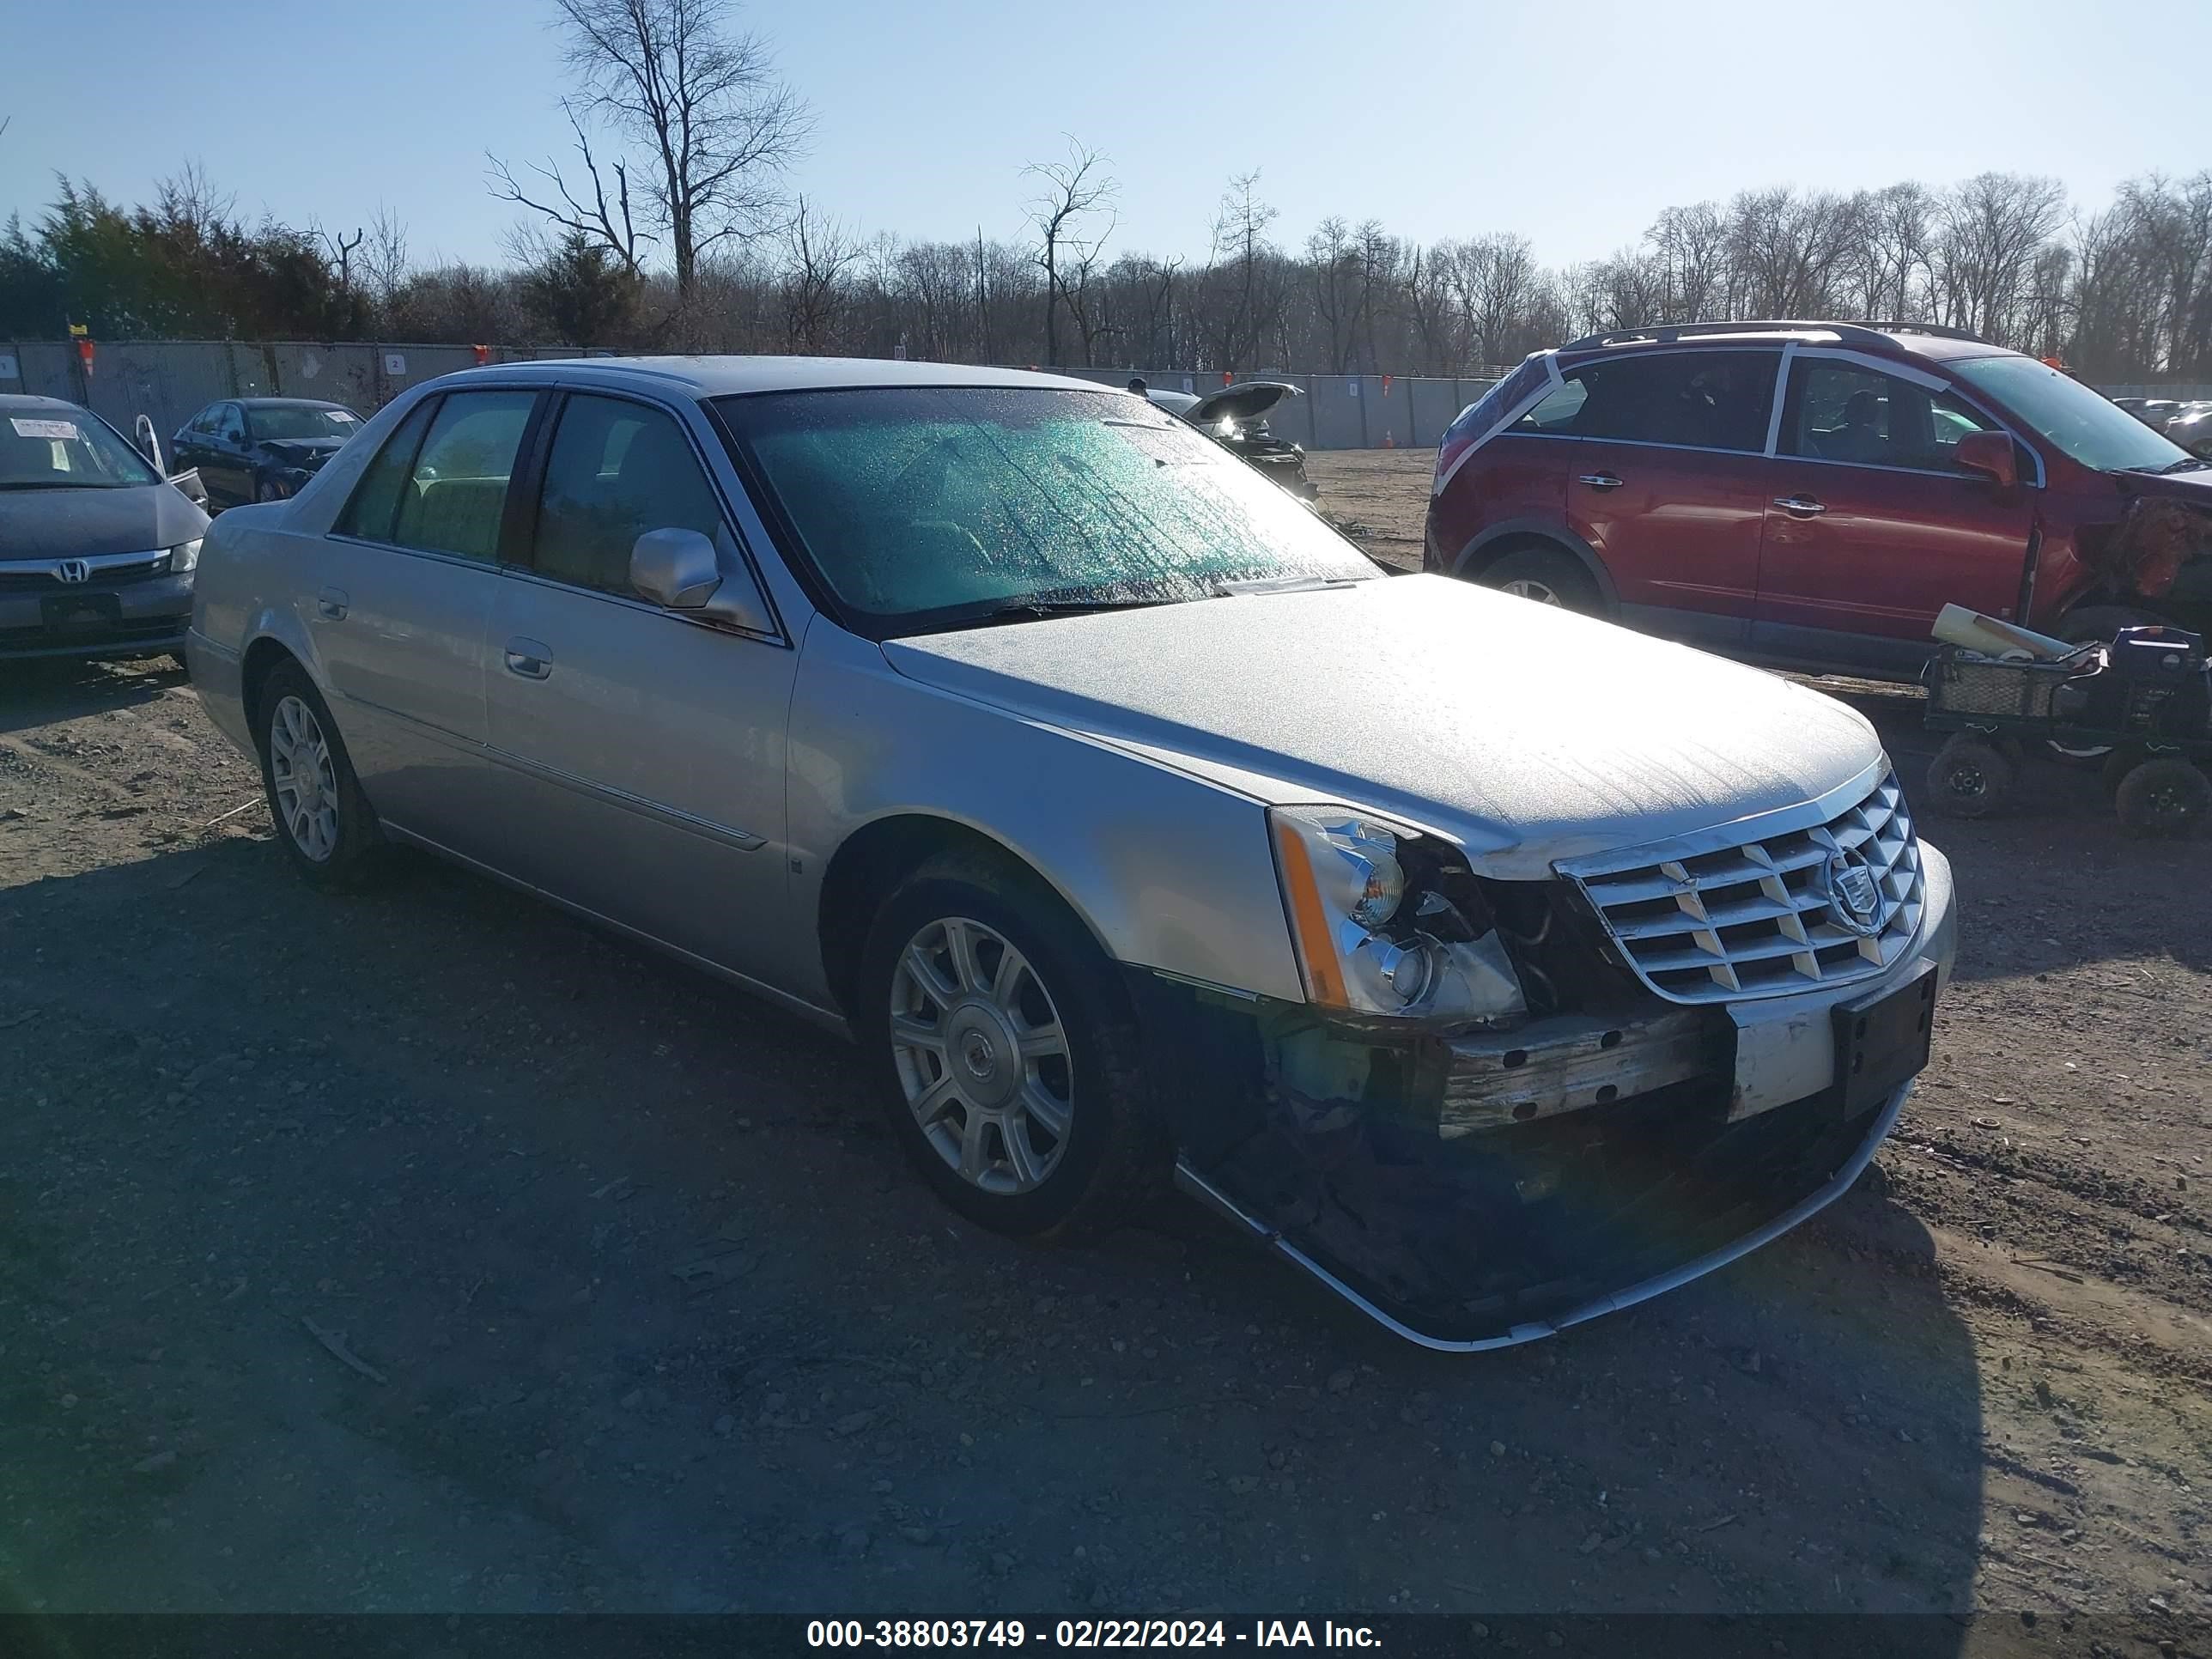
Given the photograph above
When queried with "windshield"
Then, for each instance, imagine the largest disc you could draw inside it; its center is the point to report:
(66, 448)
(2085, 424)
(929, 507)
(283, 422)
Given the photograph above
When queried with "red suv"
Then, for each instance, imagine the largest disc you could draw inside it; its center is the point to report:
(1810, 494)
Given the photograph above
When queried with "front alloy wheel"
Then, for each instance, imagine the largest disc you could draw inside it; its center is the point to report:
(981, 1056)
(1009, 1067)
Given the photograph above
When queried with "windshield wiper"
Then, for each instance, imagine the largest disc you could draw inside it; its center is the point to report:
(1282, 585)
(1031, 610)
(2186, 463)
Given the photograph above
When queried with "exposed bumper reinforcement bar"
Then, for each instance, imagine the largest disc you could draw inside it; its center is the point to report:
(1837, 1184)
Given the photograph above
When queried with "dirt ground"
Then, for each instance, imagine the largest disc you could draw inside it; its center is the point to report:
(426, 1251)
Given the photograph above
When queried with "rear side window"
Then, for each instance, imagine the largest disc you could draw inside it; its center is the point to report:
(1695, 399)
(617, 470)
(376, 497)
(1841, 413)
(456, 492)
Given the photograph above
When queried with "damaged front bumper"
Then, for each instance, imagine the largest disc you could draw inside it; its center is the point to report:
(1481, 1191)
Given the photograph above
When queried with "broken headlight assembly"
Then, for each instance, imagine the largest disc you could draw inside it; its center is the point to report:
(1389, 923)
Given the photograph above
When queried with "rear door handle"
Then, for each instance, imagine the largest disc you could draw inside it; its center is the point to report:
(1803, 505)
(1600, 481)
(333, 603)
(532, 659)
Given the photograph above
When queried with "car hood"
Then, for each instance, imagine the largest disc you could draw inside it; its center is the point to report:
(1246, 401)
(1527, 733)
(64, 523)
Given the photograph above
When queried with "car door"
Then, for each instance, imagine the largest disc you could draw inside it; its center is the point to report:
(642, 748)
(226, 473)
(397, 602)
(1871, 527)
(1668, 483)
(188, 448)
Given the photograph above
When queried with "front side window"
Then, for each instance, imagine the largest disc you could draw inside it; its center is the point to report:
(1842, 412)
(932, 506)
(617, 469)
(2085, 425)
(66, 448)
(230, 423)
(456, 491)
(1691, 399)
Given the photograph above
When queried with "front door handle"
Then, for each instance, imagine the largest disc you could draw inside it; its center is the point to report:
(1599, 480)
(1803, 507)
(530, 659)
(333, 603)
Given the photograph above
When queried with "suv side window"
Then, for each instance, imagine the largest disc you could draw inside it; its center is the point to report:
(1842, 412)
(617, 469)
(375, 500)
(1696, 399)
(456, 491)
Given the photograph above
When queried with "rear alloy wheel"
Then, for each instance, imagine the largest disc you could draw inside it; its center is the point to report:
(323, 821)
(2166, 797)
(1545, 576)
(1009, 1060)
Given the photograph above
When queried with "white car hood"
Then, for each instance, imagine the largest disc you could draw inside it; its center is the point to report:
(1525, 732)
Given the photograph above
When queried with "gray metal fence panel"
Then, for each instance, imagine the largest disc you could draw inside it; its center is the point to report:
(47, 367)
(166, 380)
(1339, 415)
(1433, 404)
(337, 374)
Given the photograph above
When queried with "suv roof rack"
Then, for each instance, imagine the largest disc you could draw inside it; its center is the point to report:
(1856, 333)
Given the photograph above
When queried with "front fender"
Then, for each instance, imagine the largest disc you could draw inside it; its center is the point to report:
(1169, 872)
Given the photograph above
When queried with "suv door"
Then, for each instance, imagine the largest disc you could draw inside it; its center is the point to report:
(642, 748)
(1669, 482)
(397, 600)
(1871, 526)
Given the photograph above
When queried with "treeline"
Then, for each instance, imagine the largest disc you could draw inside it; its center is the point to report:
(2119, 295)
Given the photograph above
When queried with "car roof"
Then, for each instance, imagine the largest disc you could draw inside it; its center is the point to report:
(22, 403)
(724, 377)
(1904, 340)
(281, 403)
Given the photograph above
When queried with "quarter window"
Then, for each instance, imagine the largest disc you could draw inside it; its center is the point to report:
(376, 498)
(455, 493)
(1695, 399)
(1841, 413)
(617, 469)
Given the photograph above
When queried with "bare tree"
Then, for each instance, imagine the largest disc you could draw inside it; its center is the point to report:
(605, 218)
(717, 129)
(1690, 244)
(1993, 227)
(1241, 271)
(1071, 194)
(819, 257)
(342, 252)
(384, 261)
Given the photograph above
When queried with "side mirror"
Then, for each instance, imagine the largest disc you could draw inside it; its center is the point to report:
(1991, 454)
(681, 570)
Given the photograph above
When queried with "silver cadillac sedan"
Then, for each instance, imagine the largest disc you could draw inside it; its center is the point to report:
(1495, 966)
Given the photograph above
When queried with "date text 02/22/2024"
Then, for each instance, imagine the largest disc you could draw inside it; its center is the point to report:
(1078, 1633)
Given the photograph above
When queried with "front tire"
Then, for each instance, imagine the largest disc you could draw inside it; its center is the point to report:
(1545, 576)
(323, 820)
(1005, 1052)
(1969, 778)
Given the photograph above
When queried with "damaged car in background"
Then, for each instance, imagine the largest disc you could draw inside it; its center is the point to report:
(1496, 966)
(1236, 417)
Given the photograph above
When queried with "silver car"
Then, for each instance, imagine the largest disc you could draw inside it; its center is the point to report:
(1496, 966)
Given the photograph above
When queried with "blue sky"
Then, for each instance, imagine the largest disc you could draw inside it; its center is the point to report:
(1572, 124)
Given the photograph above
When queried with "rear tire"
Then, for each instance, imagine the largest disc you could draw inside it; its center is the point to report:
(1547, 576)
(1969, 778)
(1005, 1052)
(323, 822)
(2166, 798)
